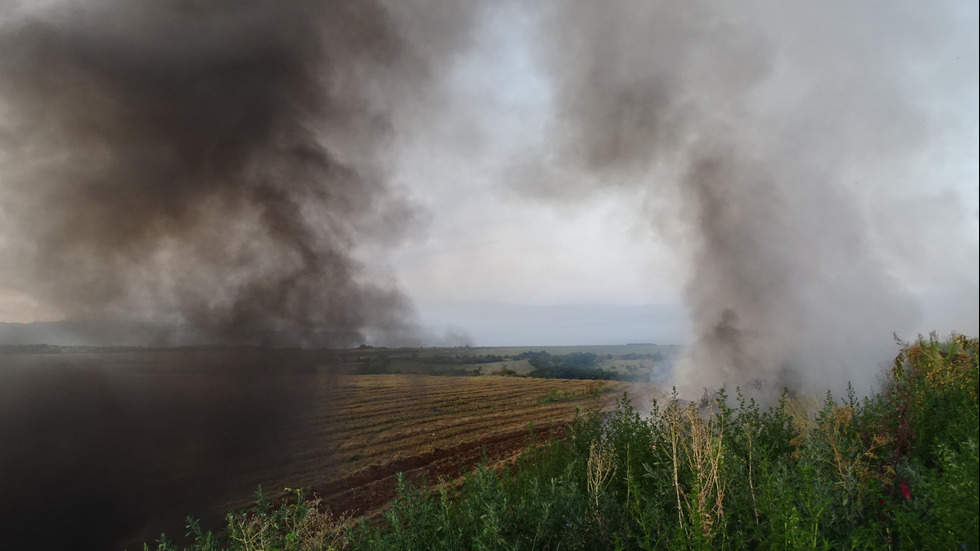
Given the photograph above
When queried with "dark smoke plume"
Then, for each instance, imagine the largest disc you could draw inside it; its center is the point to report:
(106, 451)
(210, 163)
(747, 124)
(212, 167)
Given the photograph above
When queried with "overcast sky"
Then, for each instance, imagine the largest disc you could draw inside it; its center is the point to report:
(487, 243)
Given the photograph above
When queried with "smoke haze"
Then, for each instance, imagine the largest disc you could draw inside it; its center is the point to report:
(211, 163)
(759, 133)
(222, 164)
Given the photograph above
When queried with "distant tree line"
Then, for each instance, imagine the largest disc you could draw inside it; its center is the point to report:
(382, 364)
(577, 365)
(465, 360)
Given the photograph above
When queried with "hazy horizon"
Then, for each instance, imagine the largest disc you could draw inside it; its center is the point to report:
(484, 324)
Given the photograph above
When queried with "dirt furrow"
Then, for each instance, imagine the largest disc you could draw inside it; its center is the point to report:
(368, 490)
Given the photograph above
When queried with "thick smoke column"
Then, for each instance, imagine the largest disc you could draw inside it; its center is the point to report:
(212, 165)
(209, 163)
(748, 125)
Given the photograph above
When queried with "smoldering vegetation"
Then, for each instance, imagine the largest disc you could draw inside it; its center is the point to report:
(102, 450)
(211, 163)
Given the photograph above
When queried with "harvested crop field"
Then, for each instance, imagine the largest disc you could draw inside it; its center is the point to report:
(437, 426)
(116, 448)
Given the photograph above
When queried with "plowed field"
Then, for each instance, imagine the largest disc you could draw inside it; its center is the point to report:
(439, 426)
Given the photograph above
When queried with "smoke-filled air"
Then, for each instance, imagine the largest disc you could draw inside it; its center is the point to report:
(224, 166)
(212, 165)
(759, 133)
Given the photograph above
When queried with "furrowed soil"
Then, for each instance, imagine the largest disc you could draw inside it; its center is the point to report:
(106, 451)
(438, 427)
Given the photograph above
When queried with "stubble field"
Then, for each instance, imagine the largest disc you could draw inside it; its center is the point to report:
(117, 447)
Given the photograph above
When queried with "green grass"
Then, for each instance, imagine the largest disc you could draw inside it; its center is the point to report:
(896, 470)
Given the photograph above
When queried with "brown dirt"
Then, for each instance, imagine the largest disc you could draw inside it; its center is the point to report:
(438, 428)
(366, 492)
